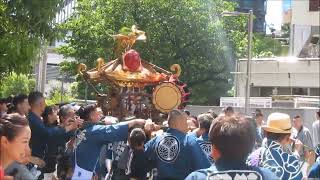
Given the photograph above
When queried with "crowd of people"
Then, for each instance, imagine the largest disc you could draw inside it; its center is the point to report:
(69, 141)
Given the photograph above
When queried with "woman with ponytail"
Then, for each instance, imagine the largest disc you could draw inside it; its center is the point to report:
(15, 135)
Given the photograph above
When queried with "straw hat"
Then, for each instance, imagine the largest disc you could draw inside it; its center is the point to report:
(278, 123)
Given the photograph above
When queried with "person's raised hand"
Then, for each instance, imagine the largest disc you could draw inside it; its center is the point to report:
(297, 145)
(75, 124)
(156, 127)
(156, 133)
(136, 122)
(78, 122)
(149, 126)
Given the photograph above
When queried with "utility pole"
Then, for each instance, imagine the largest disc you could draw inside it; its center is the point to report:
(249, 53)
(248, 79)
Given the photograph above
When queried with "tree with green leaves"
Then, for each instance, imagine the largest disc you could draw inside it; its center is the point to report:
(15, 84)
(191, 33)
(24, 27)
(266, 46)
(185, 32)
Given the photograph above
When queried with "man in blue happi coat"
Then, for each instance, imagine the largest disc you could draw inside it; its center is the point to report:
(202, 132)
(175, 153)
(232, 140)
(40, 134)
(92, 137)
(314, 171)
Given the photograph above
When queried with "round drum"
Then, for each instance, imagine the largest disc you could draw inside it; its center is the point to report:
(166, 97)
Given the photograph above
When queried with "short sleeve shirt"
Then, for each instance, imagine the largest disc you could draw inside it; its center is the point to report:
(316, 133)
(304, 136)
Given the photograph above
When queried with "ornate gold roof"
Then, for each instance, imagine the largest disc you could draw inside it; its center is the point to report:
(115, 73)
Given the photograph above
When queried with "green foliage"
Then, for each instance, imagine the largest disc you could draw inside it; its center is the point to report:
(262, 46)
(78, 89)
(185, 32)
(232, 92)
(54, 92)
(81, 87)
(55, 97)
(285, 29)
(265, 46)
(188, 32)
(74, 89)
(235, 28)
(24, 26)
(15, 84)
(68, 68)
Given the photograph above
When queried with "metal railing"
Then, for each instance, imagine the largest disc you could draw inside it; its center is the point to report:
(255, 102)
(306, 102)
(267, 102)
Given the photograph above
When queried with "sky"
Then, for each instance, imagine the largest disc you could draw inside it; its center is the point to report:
(275, 9)
(286, 4)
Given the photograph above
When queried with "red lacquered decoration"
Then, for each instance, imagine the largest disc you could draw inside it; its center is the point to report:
(131, 61)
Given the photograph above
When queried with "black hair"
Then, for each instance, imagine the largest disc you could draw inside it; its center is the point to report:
(195, 120)
(258, 111)
(212, 113)
(11, 125)
(258, 114)
(3, 101)
(173, 115)
(6, 101)
(205, 121)
(187, 112)
(84, 112)
(63, 111)
(47, 111)
(15, 101)
(137, 137)
(234, 137)
(276, 136)
(34, 97)
(296, 117)
(194, 117)
(228, 109)
(19, 99)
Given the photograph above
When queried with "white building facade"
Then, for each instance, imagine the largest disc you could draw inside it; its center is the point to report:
(279, 76)
(305, 24)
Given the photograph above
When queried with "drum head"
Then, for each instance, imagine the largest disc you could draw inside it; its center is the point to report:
(166, 97)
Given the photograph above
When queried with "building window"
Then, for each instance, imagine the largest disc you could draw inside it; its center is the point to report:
(314, 91)
(284, 91)
(255, 92)
(314, 5)
(299, 91)
(266, 91)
